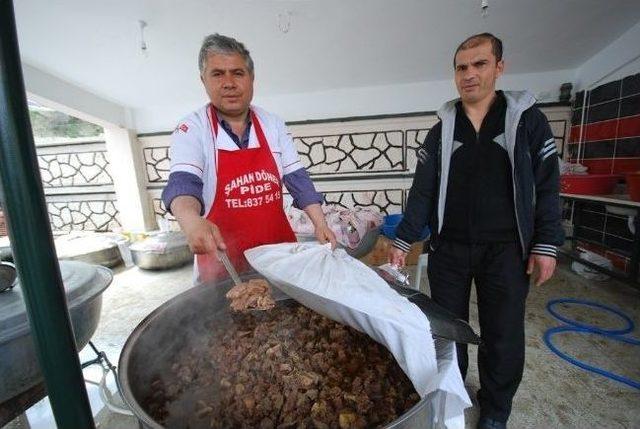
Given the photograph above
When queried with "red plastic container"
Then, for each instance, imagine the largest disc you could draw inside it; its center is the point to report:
(633, 185)
(589, 184)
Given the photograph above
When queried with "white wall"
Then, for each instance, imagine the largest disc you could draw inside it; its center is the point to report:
(377, 100)
(621, 58)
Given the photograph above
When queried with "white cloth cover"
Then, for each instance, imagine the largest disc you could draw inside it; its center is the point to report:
(344, 289)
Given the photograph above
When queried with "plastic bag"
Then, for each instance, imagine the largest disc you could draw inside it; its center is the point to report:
(571, 168)
(588, 272)
(344, 289)
(349, 225)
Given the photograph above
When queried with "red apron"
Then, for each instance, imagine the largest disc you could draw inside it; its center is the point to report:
(247, 207)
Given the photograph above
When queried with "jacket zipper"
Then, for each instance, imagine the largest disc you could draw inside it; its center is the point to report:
(515, 183)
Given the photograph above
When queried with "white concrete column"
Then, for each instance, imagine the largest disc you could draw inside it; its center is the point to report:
(128, 173)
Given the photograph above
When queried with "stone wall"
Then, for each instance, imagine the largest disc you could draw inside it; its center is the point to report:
(78, 185)
(367, 162)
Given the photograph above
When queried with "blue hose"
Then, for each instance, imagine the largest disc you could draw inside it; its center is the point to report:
(583, 328)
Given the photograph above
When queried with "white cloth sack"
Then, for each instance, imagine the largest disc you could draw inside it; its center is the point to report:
(344, 289)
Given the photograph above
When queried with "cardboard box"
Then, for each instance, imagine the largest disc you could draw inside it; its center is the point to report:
(380, 253)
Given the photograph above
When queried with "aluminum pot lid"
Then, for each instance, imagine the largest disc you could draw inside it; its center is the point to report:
(72, 245)
(161, 242)
(82, 282)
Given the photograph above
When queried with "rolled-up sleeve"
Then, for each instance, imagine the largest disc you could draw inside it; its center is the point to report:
(301, 188)
(182, 183)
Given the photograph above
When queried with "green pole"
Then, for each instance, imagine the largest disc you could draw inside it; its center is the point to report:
(32, 242)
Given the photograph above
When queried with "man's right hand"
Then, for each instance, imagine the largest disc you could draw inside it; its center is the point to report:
(397, 257)
(203, 236)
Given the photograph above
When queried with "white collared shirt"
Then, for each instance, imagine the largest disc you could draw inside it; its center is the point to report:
(194, 150)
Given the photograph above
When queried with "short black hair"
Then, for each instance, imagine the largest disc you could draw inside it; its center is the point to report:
(478, 39)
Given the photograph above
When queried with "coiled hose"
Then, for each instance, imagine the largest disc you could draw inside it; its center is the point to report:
(583, 328)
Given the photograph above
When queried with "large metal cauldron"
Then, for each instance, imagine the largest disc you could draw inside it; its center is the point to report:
(19, 369)
(151, 347)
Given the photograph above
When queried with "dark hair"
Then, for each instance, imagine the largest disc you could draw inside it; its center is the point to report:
(479, 39)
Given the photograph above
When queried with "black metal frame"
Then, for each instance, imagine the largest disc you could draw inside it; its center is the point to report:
(634, 268)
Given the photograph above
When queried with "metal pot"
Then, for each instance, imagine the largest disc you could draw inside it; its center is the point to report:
(91, 248)
(173, 326)
(19, 369)
(7, 275)
(6, 254)
(367, 243)
(162, 251)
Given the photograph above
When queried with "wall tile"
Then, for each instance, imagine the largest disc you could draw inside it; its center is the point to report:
(599, 149)
(574, 137)
(601, 130)
(606, 92)
(628, 147)
(625, 165)
(630, 106)
(629, 127)
(603, 112)
(631, 85)
(608, 166)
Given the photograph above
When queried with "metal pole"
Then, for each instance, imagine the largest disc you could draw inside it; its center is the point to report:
(32, 242)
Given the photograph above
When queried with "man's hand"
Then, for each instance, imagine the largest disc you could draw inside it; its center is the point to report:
(325, 235)
(203, 236)
(322, 231)
(397, 257)
(544, 266)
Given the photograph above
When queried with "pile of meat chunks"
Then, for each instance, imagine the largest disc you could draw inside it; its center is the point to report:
(288, 367)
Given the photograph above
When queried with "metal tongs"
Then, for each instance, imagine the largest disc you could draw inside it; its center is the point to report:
(224, 258)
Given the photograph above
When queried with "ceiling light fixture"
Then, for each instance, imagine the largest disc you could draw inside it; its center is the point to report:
(284, 21)
(484, 8)
(143, 44)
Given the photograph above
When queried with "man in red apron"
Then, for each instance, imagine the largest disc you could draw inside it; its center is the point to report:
(229, 160)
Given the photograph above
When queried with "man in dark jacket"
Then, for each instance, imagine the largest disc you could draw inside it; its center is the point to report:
(487, 185)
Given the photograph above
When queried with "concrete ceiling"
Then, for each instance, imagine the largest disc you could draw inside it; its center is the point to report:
(329, 44)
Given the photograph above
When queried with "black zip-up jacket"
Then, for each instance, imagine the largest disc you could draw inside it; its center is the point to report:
(534, 162)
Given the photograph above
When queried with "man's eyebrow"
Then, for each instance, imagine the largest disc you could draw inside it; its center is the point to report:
(218, 69)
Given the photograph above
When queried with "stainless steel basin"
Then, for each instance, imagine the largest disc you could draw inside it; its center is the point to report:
(150, 348)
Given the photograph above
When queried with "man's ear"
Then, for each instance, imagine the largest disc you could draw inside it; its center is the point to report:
(500, 68)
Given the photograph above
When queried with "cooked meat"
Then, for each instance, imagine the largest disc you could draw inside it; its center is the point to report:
(286, 368)
(252, 295)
